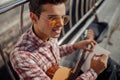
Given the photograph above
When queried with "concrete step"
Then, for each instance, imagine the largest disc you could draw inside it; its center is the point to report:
(110, 13)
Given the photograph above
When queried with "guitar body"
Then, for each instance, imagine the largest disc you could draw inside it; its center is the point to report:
(62, 73)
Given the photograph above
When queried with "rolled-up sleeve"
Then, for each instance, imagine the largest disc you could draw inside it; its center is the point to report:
(88, 75)
(26, 68)
(66, 49)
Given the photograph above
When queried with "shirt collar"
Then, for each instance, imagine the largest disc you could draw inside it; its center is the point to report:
(37, 39)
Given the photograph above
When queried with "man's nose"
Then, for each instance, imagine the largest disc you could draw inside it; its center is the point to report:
(60, 22)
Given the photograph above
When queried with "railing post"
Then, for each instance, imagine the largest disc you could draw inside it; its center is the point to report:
(77, 10)
(86, 7)
(70, 12)
(21, 18)
(82, 8)
(6, 64)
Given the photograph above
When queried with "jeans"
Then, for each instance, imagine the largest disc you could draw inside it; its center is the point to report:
(112, 72)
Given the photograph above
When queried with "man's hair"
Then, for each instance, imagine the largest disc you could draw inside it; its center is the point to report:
(35, 6)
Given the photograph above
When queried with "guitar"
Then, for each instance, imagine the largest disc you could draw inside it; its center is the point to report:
(64, 73)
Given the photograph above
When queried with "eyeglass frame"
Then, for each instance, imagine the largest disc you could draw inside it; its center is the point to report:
(56, 16)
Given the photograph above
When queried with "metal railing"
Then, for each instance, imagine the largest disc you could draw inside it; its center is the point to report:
(80, 22)
(4, 9)
(11, 5)
(83, 9)
(92, 11)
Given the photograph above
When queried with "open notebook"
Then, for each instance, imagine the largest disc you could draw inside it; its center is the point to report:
(98, 50)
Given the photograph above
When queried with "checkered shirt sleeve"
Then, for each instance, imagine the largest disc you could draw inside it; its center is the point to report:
(26, 67)
(88, 75)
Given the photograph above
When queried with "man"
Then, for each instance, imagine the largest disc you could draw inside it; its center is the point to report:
(37, 49)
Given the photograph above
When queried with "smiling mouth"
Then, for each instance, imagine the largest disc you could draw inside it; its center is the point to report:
(57, 31)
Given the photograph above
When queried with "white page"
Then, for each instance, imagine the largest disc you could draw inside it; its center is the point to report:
(97, 50)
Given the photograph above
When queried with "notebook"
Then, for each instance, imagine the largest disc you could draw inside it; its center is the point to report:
(97, 50)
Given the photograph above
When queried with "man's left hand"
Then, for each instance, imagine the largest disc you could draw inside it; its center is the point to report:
(84, 44)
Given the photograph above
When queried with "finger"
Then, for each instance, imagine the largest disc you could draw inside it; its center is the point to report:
(88, 49)
(89, 44)
(93, 41)
(92, 45)
(90, 32)
(98, 55)
(94, 58)
(88, 41)
(104, 57)
(101, 57)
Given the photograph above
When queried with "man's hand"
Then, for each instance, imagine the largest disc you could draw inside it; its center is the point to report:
(84, 44)
(99, 62)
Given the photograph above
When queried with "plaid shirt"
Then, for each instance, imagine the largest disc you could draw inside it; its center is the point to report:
(32, 57)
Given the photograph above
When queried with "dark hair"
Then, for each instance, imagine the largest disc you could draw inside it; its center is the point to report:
(35, 6)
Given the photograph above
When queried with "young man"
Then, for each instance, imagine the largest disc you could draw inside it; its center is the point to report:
(37, 49)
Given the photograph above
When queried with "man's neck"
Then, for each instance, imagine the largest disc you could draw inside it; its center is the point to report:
(40, 34)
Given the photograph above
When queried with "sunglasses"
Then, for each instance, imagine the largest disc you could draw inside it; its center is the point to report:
(54, 19)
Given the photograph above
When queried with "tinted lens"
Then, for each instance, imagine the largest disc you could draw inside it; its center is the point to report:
(55, 20)
(66, 19)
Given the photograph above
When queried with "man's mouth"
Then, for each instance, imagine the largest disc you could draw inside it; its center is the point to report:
(57, 31)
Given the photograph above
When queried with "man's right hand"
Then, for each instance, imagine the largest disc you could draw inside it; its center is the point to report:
(99, 62)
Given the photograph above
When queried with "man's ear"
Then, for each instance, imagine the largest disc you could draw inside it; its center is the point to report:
(33, 17)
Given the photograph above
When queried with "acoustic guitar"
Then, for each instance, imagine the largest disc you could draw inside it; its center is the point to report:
(64, 73)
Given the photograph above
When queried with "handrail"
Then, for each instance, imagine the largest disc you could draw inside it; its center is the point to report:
(4, 9)
(77, 10)
(21, 18)
(79, 22)
(82, 7)
(6, 64)
(81, 31)
(12, 5)
(86, 7)
(70, 13)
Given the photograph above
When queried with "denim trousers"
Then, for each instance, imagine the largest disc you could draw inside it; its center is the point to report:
(112, 72)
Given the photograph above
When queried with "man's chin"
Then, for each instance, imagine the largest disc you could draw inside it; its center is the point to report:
(56, 36)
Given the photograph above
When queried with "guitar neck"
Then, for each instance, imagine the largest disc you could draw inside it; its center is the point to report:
(77, 69)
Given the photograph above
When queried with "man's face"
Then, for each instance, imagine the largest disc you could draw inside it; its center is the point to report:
(50, 22)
